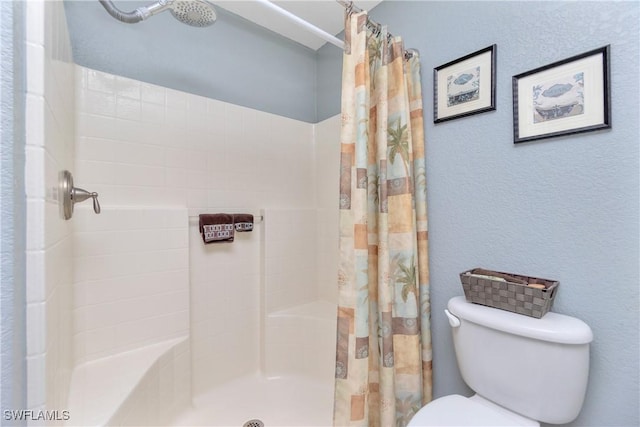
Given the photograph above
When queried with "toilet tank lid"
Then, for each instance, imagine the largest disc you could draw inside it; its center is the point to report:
(552, 327)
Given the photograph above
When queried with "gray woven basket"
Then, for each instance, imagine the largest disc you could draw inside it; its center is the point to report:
(514, 294)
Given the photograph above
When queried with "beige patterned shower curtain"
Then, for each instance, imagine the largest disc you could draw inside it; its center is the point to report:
(383, 357)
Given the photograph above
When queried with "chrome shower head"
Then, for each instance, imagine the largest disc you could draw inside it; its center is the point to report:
(197, 13)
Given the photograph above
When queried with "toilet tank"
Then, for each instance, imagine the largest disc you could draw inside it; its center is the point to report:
(536, 367)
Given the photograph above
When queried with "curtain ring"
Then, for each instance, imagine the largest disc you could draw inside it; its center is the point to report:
(374, 27)
(410, 53)
(349, 8)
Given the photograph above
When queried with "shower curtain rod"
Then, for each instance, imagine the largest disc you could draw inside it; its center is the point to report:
(321, 33)
(304, 24)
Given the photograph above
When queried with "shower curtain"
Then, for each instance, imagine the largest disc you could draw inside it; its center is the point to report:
(383, 357)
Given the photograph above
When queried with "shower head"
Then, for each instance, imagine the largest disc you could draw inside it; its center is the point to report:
(197, 13)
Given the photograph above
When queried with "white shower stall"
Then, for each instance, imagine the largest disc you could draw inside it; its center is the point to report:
(131, 320)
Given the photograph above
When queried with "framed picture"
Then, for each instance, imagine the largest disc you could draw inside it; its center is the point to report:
(563, 98)
(465, 86)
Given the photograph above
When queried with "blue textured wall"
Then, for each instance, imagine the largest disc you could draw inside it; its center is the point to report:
(564, 208)
(232, 61)
(329, 80)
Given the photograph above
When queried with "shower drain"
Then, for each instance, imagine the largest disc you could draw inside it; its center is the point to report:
(253, 423)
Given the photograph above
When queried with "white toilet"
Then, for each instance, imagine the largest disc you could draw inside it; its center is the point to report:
(523, 370)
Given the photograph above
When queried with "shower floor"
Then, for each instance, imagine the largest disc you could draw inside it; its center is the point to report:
(286, 401)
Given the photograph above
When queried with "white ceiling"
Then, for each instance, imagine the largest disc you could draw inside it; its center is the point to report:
(328, 15)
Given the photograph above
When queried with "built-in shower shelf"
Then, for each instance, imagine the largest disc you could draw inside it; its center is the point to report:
(114, 390)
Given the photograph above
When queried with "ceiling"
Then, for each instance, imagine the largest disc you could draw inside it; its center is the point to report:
(328, 15)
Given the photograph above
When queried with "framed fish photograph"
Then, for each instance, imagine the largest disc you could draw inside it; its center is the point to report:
(465, 86)
(566, 97)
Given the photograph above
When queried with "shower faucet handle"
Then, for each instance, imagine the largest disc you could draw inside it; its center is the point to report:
(96, 203)
(80, 195)
(70, 195)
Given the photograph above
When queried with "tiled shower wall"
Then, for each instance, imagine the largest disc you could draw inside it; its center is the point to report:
(145, 145)
(289, 258)
(301, 244)
(225, 307)
(50, 124)
(131, 278)
(327, 160)
(140, 145)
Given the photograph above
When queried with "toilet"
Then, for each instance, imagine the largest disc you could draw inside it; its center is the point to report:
(523, 370)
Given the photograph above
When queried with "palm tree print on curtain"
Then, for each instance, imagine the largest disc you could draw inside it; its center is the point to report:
(383, 357)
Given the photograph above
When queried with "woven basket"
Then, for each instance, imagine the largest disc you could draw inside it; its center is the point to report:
(513, 294)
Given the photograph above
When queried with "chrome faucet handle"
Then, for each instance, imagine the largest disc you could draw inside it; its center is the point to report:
(80, 195)
(96, 203)
(70, 195)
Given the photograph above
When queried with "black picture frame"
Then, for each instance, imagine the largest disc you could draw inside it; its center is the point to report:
(563, 98)
(465, 86)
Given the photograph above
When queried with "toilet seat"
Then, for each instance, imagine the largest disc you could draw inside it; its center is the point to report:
(456, 410)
